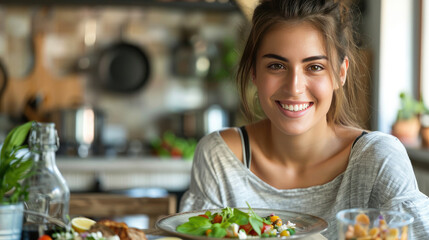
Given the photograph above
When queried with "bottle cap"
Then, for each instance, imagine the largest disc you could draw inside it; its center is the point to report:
(43, 136)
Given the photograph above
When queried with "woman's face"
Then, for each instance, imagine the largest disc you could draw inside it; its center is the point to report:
(292, 76)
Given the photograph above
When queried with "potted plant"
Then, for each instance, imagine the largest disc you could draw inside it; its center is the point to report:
(14, 167)
(407, 125)
(424, 123)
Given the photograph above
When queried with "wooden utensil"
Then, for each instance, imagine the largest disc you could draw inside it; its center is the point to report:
(55, 91)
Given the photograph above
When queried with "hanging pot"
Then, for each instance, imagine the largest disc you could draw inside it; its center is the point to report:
(122, 67)
(79, 129)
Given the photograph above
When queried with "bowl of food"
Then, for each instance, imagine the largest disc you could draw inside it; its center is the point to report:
(240, 223)
(373, 224)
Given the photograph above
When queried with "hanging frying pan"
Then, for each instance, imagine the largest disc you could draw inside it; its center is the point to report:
(122, 67)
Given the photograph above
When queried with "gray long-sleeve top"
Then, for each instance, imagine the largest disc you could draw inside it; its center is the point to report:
(379, 175)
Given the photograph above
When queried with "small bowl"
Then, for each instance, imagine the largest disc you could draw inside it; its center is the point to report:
(372, 223)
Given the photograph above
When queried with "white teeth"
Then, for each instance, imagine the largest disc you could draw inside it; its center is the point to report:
(296, 107)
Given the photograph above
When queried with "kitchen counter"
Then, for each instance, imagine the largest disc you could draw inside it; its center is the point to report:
(101, 174)
(108, 174)
(419, 156)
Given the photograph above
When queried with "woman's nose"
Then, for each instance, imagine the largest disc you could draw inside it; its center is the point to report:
(295, 82)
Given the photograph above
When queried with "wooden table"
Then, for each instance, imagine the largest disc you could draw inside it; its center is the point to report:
(154, 233)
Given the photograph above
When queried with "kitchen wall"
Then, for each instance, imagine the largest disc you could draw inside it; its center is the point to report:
(49, 51)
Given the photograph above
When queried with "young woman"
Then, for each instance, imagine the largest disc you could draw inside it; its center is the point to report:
(307, 152)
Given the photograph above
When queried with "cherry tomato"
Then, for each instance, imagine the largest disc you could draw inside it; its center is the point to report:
(45, 237)
(266, 227)
(247, 228)
(253, 233)
(176, 152)
(217, 219)
(204, 216)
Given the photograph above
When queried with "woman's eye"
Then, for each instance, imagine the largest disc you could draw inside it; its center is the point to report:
(315, 68)
(276, 66)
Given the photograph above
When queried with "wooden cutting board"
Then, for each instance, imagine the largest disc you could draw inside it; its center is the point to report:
(56, 92)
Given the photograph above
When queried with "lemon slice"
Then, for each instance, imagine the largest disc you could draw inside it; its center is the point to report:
(81, 224)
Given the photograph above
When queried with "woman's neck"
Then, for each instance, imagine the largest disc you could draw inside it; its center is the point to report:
(301, 151)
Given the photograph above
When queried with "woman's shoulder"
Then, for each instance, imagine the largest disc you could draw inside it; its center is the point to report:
(218, 139)
(221, 135)
(378, 148)
(232, 138)
(209, 140)
(212, 150)
(378, 140)
(379, 158)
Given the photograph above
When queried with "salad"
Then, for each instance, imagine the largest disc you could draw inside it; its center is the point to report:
(234, 223)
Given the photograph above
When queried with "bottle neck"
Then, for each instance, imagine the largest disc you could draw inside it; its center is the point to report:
(45, 159)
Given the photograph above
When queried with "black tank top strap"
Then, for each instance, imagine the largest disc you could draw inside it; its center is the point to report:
(246, 145)
(363, 133)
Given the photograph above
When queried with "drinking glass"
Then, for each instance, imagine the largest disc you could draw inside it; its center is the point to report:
(373, 224)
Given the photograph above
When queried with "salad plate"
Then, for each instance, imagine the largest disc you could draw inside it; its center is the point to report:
(306, 225)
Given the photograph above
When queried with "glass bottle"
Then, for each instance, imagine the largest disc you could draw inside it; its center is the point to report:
(49, 194)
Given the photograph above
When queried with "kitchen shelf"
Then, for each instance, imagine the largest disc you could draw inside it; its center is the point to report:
(188, 5)
(104, 174)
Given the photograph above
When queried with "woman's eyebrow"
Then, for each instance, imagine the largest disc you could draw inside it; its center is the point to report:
(309, 59)
(272, 55)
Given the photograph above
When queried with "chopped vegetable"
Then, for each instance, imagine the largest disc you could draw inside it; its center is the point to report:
(234, 223)
(45, 237)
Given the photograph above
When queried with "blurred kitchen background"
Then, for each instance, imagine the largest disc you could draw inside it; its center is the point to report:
(133, 84)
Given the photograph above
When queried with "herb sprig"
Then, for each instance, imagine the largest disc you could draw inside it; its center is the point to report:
(256, 221)
(14, 167)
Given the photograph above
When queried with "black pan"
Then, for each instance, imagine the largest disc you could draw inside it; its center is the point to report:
(123, 67)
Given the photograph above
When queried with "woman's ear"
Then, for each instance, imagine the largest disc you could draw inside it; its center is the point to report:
(253, 75)
(343, 70)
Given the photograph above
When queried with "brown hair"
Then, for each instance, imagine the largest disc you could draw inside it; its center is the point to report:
(334, 20)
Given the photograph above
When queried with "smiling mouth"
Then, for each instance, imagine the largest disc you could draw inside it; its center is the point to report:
(295, 107)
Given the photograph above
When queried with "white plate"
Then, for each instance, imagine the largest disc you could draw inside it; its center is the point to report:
(306, 225)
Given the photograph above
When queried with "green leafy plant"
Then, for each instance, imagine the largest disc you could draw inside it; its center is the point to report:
(222, 68)
(173, 146)
(410, 107)
(14, 167)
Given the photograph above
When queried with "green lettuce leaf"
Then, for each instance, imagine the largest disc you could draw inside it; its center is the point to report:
(195, 226)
